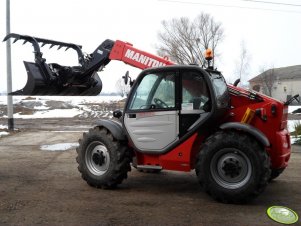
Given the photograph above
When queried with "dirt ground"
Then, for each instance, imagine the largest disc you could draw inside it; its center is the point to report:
(39, 187)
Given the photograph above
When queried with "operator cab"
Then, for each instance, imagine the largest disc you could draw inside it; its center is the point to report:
(169, 104)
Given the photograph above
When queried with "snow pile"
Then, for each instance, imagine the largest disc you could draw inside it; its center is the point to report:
(61, 106)
(3, 127)
(59, 147)
(55, 113)
(3, 133)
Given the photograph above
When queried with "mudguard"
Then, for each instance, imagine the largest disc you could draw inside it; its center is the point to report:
(248, 129)
(114, 127)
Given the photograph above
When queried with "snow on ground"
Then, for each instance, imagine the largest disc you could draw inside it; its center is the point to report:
(59, 147)
(60, 106)
(76, 100)
(3, 126)
(55, 113)
(3, 133)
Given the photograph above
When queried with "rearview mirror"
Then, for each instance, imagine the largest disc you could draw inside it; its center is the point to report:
(126, 77)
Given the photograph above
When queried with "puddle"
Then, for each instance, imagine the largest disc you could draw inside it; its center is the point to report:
(59, 147)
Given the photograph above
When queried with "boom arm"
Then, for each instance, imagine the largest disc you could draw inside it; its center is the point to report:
(125, 52)
(54, 79)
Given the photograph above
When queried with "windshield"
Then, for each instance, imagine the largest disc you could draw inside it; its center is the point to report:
(221, 89)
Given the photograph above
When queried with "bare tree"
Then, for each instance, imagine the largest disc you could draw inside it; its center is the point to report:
(242, 65)
(185, 41)
(121, 88)
(268, 79)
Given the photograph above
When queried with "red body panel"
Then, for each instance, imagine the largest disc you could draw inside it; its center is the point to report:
(182, 158)
(274, 127)
(178, 159)
(125, 52)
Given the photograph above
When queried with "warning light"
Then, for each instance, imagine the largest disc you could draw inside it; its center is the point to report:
(208, 54)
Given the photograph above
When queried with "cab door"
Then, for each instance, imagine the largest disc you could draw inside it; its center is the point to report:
(151, 117)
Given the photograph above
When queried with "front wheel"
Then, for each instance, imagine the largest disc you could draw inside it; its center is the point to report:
(233, 167)
(102, 160)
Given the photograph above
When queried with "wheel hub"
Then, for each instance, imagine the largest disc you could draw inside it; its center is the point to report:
(230, 168)
(97, 158)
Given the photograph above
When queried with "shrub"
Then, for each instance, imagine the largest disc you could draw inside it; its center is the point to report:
(297, 127)
(297, 132)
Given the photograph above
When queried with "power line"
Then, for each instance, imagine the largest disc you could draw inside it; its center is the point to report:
(230, 6)
(274, 3)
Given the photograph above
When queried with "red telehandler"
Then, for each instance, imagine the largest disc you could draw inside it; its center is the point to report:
(177, 117)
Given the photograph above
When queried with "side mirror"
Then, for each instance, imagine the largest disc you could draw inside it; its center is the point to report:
(126, 77)
(117, 113)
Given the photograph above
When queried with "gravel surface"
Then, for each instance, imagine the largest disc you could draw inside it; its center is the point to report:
(40, 187)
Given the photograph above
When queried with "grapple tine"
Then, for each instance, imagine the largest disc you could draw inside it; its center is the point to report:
(59, 47)
(67, 48)
(24, 42)
(43, 44)
(51, 46)
(16, 39)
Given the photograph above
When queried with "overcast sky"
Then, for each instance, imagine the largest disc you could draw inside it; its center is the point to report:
(271, 32)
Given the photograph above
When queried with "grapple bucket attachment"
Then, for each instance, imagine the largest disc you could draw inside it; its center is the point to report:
(37, 85)
(55, 79)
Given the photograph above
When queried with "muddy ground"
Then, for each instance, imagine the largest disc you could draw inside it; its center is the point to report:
(44, 188)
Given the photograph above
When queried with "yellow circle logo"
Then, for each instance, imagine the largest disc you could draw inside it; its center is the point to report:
(282, 214)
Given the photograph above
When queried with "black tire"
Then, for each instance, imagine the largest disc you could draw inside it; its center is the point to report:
(276, 173)
(233, 167)
(102, 160)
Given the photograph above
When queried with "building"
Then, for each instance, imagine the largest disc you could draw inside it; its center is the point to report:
(279, 83)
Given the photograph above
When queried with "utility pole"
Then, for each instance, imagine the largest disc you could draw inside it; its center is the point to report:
(10, 109)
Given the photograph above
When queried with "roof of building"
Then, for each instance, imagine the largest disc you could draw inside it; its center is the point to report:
(281, 73)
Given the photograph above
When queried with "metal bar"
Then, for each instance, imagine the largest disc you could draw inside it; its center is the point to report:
(35, 41)
(10, 110)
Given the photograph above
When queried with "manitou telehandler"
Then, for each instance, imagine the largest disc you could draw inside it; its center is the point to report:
(176, 118)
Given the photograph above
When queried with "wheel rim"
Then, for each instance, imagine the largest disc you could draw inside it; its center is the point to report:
(97, 158)
(231, 168)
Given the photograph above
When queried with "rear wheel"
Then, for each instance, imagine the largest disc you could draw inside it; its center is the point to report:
(102, 160)
(233, 167)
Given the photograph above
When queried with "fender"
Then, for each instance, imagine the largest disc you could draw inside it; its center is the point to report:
(114, 127)
(261, 137)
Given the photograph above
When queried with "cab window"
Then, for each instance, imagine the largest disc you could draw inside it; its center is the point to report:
(195, 94)
(155, 91)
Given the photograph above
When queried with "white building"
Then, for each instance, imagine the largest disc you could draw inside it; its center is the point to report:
(280, 83)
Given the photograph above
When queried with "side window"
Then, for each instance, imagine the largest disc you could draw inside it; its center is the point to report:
(155, 91)
(164, 96)
(195, 94)
(141, 95)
